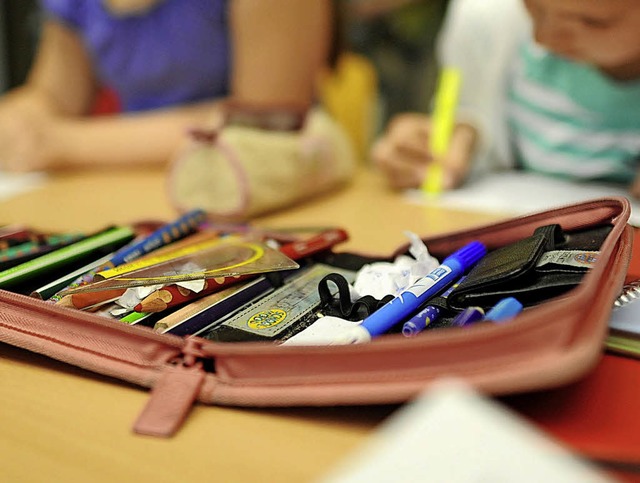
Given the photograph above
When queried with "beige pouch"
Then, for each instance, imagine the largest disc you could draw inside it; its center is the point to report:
(242, 172)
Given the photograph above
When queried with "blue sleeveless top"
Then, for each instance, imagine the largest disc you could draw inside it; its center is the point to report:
(175, 53)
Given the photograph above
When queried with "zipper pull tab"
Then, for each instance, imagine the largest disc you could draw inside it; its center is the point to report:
(171, 400)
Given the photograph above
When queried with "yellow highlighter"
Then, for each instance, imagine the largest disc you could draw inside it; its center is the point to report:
(442, 122)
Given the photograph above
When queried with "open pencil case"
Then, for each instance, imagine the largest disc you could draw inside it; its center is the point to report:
(551, 343)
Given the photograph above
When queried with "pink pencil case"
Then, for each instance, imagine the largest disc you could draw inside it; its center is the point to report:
(548, 345)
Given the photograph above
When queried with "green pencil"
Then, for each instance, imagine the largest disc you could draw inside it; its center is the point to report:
(39, 266)
(29, 247)
(49, 290)
(134, 317)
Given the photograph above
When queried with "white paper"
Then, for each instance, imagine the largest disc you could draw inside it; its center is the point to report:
(452, 434)
(517, 193)
(626, 318)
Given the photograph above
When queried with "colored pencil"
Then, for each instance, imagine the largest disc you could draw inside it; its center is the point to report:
(177, 249)
(183, 226)
(134, 318)
(201, 313)
(50, 289)
(172, 295)
(58, 258)
(88, 300)
(28, 250)
(17, 234)
(165, 235)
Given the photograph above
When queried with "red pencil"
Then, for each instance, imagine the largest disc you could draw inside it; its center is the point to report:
(85, 300)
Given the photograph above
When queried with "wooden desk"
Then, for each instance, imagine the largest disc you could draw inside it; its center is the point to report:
(60, 423)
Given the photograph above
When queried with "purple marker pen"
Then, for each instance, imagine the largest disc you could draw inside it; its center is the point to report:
(468, 316)
(420, 321)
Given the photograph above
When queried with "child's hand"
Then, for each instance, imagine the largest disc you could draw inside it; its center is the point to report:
(24, 140)
(403, 153)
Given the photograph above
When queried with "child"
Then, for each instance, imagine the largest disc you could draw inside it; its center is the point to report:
(170, 63)
(551, 86)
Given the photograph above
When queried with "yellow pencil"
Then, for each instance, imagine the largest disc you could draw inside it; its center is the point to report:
(442, 122)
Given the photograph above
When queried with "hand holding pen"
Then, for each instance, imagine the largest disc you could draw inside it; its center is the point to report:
(403, 154)
(429, 151)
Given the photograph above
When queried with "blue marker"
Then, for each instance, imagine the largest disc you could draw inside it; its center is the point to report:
(410, 300)
(468, 316)
(504, 310)
(420, 321)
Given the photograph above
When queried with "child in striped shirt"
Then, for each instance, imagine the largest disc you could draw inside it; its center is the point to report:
(551, 86)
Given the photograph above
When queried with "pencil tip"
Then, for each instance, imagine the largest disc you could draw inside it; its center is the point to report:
(66, 301)
(154, 305)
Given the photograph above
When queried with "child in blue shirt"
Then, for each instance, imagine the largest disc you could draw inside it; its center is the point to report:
(170, 63)
(551, 86)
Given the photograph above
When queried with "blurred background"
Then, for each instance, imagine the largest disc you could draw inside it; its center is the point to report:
(19, 27)
(398, 38)
(395, 36)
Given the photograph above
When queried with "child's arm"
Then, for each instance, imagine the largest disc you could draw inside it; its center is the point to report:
(279, 46)
(402, 153)
(57, 132)
(60, 83)
(45, 124)
(293, 39)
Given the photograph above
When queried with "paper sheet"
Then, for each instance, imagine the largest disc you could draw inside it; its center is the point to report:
(12, 184)
(453, 434)
(626, 318)
(517, 193)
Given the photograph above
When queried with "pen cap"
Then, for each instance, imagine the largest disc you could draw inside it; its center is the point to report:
(467, 256)
(504, 310)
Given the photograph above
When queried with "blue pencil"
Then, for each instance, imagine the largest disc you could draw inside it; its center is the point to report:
(164, 235)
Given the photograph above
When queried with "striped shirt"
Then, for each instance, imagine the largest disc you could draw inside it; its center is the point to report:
(571, 121)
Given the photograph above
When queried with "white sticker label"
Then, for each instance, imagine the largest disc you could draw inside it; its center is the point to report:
(573, 258)
(425, 283)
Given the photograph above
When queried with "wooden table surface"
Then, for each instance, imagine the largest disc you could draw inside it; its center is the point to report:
(60, 423)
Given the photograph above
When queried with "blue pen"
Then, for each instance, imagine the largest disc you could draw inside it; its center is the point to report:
(504, 310)
(410, 300)
(421, 320)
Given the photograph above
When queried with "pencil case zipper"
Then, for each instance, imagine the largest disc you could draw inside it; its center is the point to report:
(182, 370)
(169, 364)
